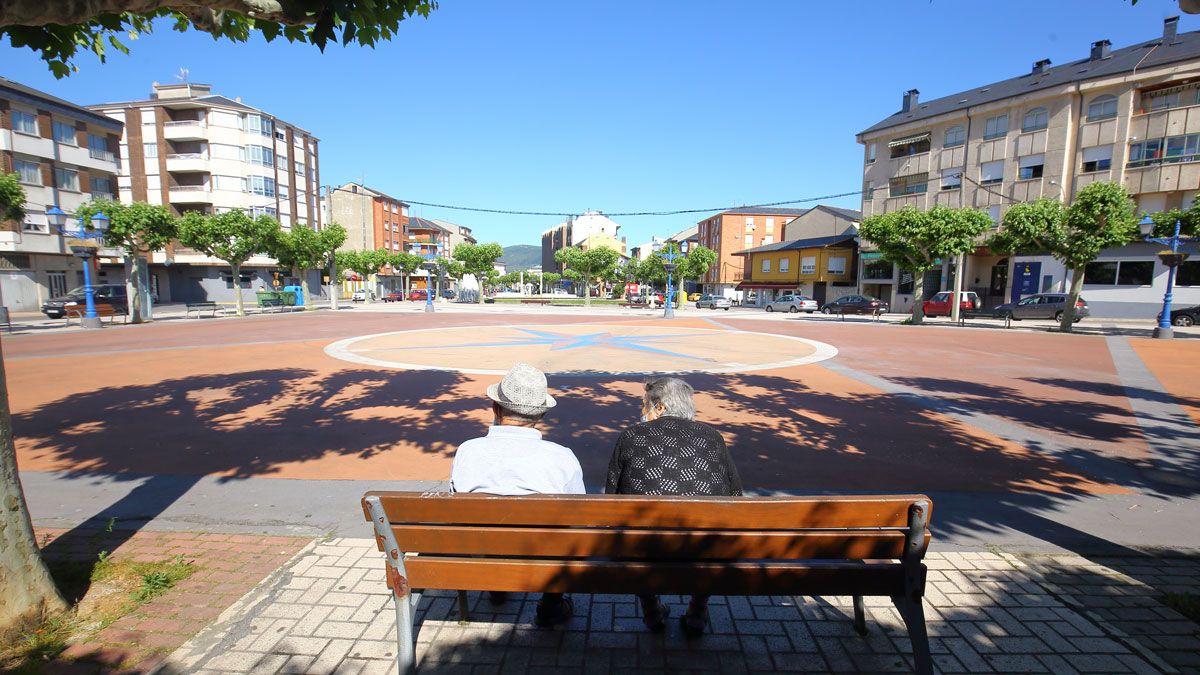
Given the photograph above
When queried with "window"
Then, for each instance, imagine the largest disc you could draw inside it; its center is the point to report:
(100, 186)
(151, 150)
(24, 123)
(835, 265)
(260, 155)
(1098, 158)
(299, 167)
(913, 145)
(232, 183)
(1038, 118)
(766, 264)
(98, 148)
(256, 211)
(260, 185)
(749, 240)
(1171, 98)
(1162, 101)
(994, 213)
(995, 127)
(991, 172)
(67, 179)
(868, 191)
(30, 172)
(259, 124)
(785, 264)
(917, 183)
(1119, 273)
(955, 136)
(951, 179)
(1177, 149)
(871, 154)
(770, 225)
(64, 133)
(1030, 167)
(808, 265)
(41, 228)
(750, 224)
(1188, 274)
(1182, 148)
(1102, 108)
(877, 269)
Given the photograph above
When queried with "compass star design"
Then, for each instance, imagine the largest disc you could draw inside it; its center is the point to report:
(563, 341)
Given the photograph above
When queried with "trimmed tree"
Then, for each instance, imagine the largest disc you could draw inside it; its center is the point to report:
(916, 239)
(549, 279)
(138, 229)
(586, 266)
(301, 249)
(1102, 216)
(363, 263)
(232, 237)
(479, 260)
(405, 263)
(27, 592)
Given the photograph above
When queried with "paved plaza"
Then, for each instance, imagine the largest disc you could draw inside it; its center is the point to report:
(1064, 470)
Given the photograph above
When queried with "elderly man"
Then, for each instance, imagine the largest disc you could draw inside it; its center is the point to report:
(513, 459)
(670, 453)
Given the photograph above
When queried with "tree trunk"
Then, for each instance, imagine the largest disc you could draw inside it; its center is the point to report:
(1068, 319)
(237, 288)
(587, 291)
(918, 311)
(133, 295)
(26, 590)
(335, 285)
(479, 279)
(367, 287)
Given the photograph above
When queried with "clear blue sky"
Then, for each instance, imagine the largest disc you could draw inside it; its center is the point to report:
(563, 106)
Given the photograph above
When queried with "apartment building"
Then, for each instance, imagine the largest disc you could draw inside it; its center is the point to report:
(373, 220)
(730, 232)
(553, 239)
(821, 268)
(64, 155)
(426, 237)
(1129, 115)
(601, 230)
(193, 150)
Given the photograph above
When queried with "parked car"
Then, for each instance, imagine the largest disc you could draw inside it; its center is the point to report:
(394, 296)
(713, 302)
(855, 304)
(939, 305)
(694, 296)
(417, 294)
(1041, 306)
(360, 295)
(448, 293)
(107, 294)
(793, 303)
(1183, 316)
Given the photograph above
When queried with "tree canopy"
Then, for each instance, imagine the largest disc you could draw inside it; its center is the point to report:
(59, 30)
(479, 260)
(12, 198)
(233, 237)
(586, 266)
(138, 229)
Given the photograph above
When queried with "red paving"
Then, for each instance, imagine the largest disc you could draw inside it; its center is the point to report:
(258, 397)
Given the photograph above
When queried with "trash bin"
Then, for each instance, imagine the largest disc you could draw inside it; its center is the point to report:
(299, 292)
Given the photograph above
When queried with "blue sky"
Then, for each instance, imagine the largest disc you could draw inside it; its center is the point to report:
(550, 105)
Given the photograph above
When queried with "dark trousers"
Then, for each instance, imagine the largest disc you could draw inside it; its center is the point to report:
(700, 602)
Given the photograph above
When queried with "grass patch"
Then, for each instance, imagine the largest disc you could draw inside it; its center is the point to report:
(99, 592)
(1187, 604)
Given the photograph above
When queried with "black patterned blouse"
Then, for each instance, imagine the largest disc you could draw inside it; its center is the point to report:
(672, 456)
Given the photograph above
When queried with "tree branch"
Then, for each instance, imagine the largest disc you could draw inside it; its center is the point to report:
(206, 15)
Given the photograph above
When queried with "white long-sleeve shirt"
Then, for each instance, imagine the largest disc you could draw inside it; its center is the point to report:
(515, 461)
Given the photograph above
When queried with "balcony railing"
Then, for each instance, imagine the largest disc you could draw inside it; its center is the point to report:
(187, 155)
(189, 188)
(184, 123)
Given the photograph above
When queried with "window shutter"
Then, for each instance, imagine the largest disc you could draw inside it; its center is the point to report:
(45, 127)
(85, 181)
(1032, 160)
(48, 175)
(1097, 153)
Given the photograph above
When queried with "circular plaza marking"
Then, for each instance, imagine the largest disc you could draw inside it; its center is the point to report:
(581, 349)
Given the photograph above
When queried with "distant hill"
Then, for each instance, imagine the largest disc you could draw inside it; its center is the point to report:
(522, 257)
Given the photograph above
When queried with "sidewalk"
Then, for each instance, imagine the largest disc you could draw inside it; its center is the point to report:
(328, 611)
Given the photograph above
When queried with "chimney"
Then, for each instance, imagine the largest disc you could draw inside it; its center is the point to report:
(1100, 50)
(1170, 27)
(910, 100)
(1040, 66)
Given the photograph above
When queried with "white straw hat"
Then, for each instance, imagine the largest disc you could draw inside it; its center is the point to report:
(523, 391)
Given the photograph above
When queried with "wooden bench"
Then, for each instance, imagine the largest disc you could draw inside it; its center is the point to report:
(852, 546)
(268, 304)
(535, 301)
(197, 307)
(964, 314)
(103, 310)
(634, 305)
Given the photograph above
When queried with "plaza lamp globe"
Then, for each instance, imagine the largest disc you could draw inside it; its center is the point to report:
(99, 223)
(56, 217)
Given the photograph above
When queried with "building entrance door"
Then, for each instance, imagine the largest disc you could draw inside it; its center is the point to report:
(819, 292)
(57, 282)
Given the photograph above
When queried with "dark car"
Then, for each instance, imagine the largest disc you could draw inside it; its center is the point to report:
(1041, 306)
(855, 304)
(1184, 316)
(107, 294)
(448, 293)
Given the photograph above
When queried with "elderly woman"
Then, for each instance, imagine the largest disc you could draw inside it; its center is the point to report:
(670, 453)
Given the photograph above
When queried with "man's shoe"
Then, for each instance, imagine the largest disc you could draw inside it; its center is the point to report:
(498, 597)
(693, 622)
(656, 618)
(552, 613)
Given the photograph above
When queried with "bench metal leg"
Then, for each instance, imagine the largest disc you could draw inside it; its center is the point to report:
(860, 616)
(406, 644)
(406, 638)
(913, 613)
(464, 614)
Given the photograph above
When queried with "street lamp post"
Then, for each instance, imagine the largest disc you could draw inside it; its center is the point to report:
(57, 218)
(670, 266)
(430, 266)
(1172, 258)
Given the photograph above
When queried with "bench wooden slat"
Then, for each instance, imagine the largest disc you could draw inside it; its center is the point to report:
(752, 513)
(649, 543)
(745, 578)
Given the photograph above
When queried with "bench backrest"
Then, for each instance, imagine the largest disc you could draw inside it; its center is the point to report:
(604, 543)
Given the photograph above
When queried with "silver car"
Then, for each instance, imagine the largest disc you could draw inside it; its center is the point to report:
(793, 303)
(1041, 306)
(713, 302)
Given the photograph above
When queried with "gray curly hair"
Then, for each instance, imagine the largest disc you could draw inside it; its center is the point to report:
(673, 394)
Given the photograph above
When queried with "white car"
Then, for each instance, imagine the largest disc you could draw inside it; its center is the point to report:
(713, 302)
(793, 304)
(359, 296)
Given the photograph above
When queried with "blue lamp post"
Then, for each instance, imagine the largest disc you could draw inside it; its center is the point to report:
(1171, 258)
(670, 266)
(430, 265)
(57, 218)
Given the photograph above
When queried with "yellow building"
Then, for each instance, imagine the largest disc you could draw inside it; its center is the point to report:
(603, 240)
(821, 268)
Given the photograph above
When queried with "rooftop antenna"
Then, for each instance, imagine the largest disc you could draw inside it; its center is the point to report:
(182, 75)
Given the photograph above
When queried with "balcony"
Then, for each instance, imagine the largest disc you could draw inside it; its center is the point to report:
(185, 130)
(187, 161)
(190, 194)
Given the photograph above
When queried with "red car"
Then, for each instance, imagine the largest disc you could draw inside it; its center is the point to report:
(417, 294)
(939, 305)
(394, 296)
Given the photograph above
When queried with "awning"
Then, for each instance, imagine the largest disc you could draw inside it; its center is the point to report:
(909, 139)
(870, 255)
(751, 285)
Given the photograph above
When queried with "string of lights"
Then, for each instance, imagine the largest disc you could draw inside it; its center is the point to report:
(676, 212)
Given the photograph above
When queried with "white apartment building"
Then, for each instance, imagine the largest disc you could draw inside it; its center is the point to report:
(65, 155)
(193, 150)
(1129, 116)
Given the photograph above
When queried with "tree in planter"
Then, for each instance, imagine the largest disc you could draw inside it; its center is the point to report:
(916, 239)
(138, 229)
(27, 593)
(302, 249)
(586, 266)
(1102, 216)
(363, 263)
(479, 260)
(232, 237)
